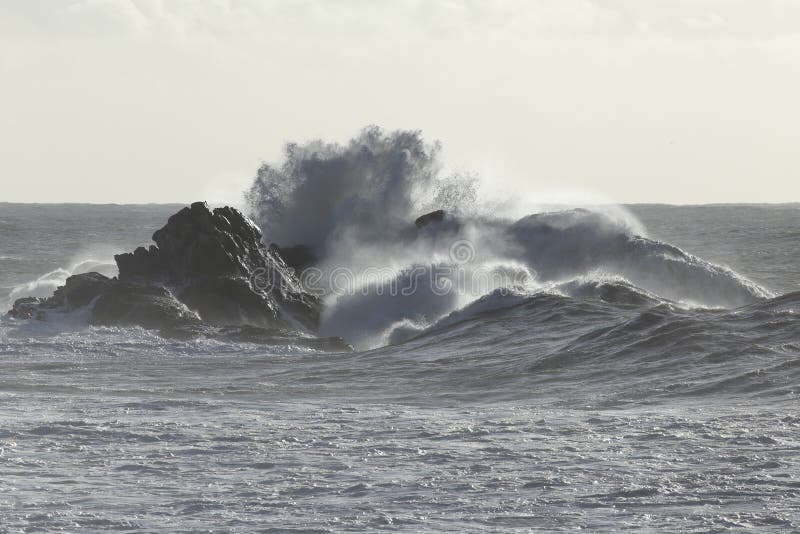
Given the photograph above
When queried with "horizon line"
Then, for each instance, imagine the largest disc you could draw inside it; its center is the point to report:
(638, 203)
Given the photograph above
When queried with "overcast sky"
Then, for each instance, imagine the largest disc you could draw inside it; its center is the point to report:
(681, 101)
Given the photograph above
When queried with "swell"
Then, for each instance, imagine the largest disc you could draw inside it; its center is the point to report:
(353, 204)
(578, 253)
(576, 242)
(618, 349)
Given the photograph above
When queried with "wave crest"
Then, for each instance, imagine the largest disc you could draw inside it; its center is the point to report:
(353, 205)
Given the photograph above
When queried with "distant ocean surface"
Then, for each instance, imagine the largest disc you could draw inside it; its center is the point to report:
(594, 404)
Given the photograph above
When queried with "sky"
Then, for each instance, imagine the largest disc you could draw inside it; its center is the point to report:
(127, 101)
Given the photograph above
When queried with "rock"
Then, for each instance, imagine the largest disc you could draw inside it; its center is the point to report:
(230, 301)
(222, 270)
(126, 304)
(428, 218)
(79, 290)
(196, 243)
(26, 308)
(142, 262)
(298, 257)
(208, 270)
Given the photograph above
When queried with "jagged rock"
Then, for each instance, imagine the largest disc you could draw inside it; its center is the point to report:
(428, 218)
(298, 257)
(27, 308)
(207, 270)
(196, 243)
(229, 301)
(126, 304)
(222, 270)
(79, 290)
(142, 262)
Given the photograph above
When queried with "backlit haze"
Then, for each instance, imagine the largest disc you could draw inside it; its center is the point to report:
(625, 101)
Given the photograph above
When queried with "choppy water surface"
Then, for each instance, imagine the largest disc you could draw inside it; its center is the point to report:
(595, 405)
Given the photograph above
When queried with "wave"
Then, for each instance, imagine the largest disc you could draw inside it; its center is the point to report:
(607, 290)
(388, 275)
(44, 285)
(326, 194)
(352, 204)
(584, 349)
(575, 242)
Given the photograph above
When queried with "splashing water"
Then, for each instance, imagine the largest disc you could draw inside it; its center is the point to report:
(46, 284)
(354, 206)
(325, 193)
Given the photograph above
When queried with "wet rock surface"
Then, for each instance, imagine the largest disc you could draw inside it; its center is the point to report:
(207, 274)
(298, 257)
(428, 218)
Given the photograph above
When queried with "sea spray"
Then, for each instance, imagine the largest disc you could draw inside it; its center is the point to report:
(354, 205)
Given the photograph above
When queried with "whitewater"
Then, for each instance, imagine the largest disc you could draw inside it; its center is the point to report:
(613, 367)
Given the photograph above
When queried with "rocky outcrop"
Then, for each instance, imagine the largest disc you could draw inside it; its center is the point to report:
(79, 290)
(208, 273)
(220, 269)
(148, 306)
(428, 218)
(298, 257)
(26, 308)
(198, 243)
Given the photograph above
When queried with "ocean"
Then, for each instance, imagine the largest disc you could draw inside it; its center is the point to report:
(662, 398)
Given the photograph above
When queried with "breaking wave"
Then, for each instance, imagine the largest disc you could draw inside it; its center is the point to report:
(44, 285)
(354, 205)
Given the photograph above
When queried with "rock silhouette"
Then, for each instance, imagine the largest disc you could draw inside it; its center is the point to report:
(207, 274)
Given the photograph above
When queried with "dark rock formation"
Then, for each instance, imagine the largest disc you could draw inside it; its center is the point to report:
(298, 257)
(26, 308)
(207, 274)
(197, 243)
(230, 301)
(79, 290)
(219, 268)
(428, 218)
(142, 262)
(154, 307)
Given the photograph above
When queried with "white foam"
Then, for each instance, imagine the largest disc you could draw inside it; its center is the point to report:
(44, 285)
(354, 204)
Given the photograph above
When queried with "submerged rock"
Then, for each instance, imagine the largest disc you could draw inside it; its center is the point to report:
(207, 271)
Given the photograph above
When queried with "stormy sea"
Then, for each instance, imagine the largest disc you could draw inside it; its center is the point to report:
(433, 360)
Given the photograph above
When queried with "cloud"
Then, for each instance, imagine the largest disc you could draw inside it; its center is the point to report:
(104, 15)
(709, 21)
(336, 23)
(169, 94)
